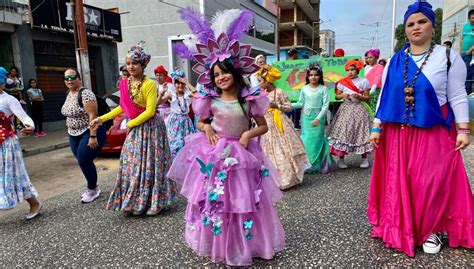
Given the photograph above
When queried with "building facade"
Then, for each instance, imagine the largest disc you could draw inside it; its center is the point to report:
(327, 41)
(299, 27)
(158, 24)
(454, 17)
(33, 40)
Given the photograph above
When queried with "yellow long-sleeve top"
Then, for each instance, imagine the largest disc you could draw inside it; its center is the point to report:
(146, 98)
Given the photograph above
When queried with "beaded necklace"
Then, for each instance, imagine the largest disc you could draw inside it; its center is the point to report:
(410, 90)
(185, 105)
(130, 87)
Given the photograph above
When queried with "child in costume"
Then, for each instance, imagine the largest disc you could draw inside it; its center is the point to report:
(282, 143)
(349, 131)
(229, 183)
(179, 124)
(314, 98)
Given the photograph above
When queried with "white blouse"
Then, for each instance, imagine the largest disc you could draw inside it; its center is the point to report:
(361, 83)
(10, 105)
(449, 87)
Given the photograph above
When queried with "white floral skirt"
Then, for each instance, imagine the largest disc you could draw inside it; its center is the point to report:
(15, 184)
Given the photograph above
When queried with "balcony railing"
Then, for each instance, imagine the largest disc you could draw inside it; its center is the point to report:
(10, 10)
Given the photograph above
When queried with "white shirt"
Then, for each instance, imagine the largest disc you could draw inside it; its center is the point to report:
(448, 87)
(11, 106)
(361, 83)
(180, 104)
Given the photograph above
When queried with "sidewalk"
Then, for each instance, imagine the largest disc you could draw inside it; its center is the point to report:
(32, 145)
(57, 138)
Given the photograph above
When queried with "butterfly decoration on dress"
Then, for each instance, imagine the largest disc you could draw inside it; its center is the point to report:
(228, 26)
(205, 168)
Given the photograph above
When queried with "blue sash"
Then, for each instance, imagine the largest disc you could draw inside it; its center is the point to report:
(427, 111)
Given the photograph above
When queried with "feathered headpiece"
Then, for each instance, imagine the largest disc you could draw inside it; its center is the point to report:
(228, 26)
(137, 54)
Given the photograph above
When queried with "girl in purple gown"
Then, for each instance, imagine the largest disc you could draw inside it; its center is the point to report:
(230, 185)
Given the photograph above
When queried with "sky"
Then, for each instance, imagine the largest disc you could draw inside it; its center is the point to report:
(346, 22)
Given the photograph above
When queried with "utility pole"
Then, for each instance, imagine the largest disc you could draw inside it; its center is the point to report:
(277, 32)
(80, 40)
(376, 25)
(392, 45)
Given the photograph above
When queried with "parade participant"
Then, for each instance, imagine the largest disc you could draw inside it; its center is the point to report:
(141, 184)
(314, 98)
(85, 144)
(260, 61)
(229, 183)
(373, 70)
(281, 143)
(179, 124)
(383, 62)
(14, 85)
(15, 184)
(349, 130)
(339, 53)
(419, 186)
(164, 84)
(36, 99)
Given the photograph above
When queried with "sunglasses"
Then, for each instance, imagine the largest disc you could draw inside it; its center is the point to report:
(71, 77)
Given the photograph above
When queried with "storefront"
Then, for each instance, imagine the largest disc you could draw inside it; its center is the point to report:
(48, 49)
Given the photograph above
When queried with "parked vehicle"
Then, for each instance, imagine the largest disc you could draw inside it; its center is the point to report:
(118, 132)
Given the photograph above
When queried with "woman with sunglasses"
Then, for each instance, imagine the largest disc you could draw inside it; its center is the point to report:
(85, 143)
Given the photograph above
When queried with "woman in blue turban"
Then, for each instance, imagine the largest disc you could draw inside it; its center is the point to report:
(419, 186)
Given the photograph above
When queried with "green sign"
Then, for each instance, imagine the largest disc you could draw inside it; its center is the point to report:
(293, 74)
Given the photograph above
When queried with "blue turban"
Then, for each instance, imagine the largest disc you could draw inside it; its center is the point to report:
(3, 75)
(421, 6)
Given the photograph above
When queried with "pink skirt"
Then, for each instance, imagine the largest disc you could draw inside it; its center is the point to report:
(419, 186)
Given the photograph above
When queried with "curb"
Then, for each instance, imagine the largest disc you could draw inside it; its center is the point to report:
(36, 151)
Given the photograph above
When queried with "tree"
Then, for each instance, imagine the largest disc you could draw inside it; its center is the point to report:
(401, 37)
(439, 23)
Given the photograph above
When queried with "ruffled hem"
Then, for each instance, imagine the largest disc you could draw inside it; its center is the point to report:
(244, 175)
(460, 233)
(339, 148)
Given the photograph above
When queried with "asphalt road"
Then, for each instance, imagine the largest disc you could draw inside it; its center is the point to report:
(324, 220)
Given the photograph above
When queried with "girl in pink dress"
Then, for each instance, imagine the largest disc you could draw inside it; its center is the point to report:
(230, 185)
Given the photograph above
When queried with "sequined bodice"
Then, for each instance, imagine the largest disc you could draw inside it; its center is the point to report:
(228, 117)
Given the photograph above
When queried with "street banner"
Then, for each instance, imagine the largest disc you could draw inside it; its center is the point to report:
(293, 74)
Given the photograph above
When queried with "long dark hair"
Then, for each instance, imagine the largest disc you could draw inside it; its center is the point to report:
(239, 80)
(29, 83)
(319, 70)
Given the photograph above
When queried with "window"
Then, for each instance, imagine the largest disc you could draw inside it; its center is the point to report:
(263, 29)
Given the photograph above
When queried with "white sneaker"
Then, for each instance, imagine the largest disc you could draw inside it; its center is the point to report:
(341, 164)
(364, 163)
(432, 245)
(90, 195)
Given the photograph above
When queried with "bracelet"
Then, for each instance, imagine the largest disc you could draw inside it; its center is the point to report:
(464, 131)
(375, 130)
(92, 136)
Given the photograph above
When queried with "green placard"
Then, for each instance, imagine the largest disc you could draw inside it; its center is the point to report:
(293, 74)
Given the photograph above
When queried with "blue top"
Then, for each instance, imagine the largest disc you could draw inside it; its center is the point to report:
(427, 111)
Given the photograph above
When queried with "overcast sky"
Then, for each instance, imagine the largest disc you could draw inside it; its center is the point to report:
(354, 38)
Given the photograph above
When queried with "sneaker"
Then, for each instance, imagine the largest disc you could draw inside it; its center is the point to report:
(364, 163)
(42, 134)
(37, 134)
(341, 164)
(472, 62)
(432, 245)
(90, 195)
